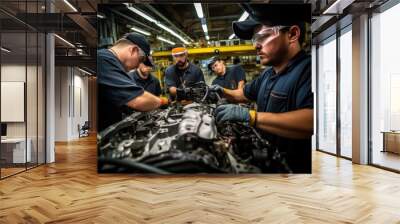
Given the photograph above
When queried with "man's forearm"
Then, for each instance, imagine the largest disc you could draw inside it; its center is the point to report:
(236, 95)
(240, 84)
(294, 124)
(145, 102)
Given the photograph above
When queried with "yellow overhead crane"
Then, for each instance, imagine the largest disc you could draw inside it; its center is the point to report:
(163, 58)
(211, 51)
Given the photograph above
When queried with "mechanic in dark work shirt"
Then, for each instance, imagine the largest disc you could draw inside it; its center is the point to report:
(228, 77)
(148, 82)
(117, 90)
(283, 92)
(183, 73)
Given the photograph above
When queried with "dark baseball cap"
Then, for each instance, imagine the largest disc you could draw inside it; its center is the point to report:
(271, 15)
(141, 42)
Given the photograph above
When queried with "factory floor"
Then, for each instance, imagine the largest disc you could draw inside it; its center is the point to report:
(71, 191)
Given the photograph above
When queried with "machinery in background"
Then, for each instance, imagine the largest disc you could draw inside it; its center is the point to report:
(186, 139)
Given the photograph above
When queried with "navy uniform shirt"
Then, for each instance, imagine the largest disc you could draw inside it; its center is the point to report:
(175, 77)
(287, 91)
(115, 89)
(151, 84)
(233, 75)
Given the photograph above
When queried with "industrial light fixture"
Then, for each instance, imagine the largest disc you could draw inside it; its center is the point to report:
(199, 10)
(5, 50)
(64, 40)
(243, 16)
(140, 31)
(140, 13)
(151, 19)
(70, 5)
(204, 26)
(172, 32)
(231, 36)
(165, 40)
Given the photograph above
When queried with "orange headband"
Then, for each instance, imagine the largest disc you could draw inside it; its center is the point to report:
(178, 50)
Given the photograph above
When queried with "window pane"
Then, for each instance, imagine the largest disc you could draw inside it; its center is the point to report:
(41, 99)
(385, 86)
(14, 153)
(345, 94)
(327, 96)
(314, 90)
(31, 97)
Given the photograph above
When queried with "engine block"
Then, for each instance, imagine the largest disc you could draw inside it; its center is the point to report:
(185, 139)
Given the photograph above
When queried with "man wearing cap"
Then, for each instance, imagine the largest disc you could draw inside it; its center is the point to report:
(144, 79)
(117, 91)
(183, 73)
(283, 92)
(232, 77)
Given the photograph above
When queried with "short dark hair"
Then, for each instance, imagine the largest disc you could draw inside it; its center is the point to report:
(302, 26)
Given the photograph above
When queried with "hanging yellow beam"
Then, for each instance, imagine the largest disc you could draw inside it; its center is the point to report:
(207, 51)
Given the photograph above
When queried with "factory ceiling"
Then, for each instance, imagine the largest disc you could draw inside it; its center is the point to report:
(76, 21)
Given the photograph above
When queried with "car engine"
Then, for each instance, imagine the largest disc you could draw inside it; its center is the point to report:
(186, 139)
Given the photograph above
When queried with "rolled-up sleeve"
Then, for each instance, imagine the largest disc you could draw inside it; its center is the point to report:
(170, 79)
(251, 89)
(117, 86)
(240, 74)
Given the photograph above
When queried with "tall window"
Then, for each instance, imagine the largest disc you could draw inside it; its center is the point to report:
(345, 92)
(385, 88)
(327, 95)
(22, 78)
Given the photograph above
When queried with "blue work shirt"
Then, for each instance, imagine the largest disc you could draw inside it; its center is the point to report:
(230, 80)
(175, 77)
(115, 89)
(151, 84)
(287, 91)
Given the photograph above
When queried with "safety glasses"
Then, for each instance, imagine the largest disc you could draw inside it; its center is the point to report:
(267, 34)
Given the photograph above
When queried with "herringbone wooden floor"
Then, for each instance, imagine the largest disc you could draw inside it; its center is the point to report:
(70, 191)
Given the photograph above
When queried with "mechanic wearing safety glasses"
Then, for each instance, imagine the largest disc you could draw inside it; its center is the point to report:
(183, 73)
(232, 77)
(117, 91)
(283, 91)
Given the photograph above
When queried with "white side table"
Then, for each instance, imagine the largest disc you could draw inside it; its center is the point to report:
(18, 145)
